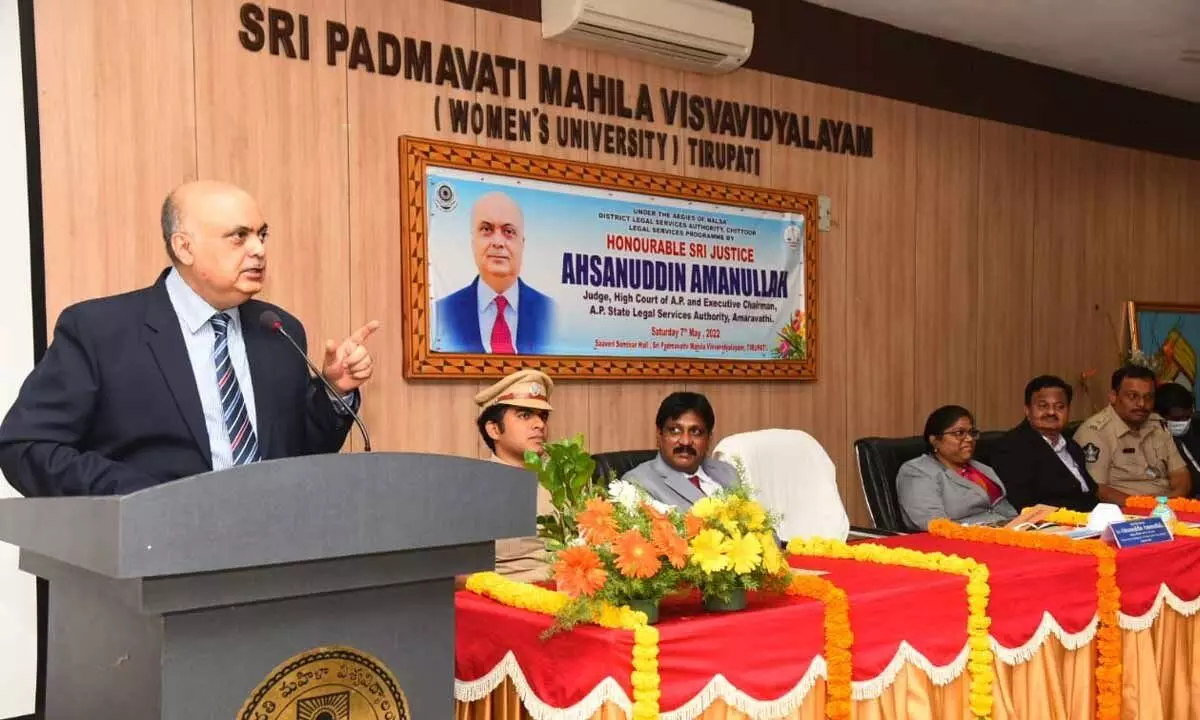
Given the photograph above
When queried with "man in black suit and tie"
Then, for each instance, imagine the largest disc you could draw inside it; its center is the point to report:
(179, 378)
(1038, 464)
(497, 312)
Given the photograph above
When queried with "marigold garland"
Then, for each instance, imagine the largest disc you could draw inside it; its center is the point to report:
(1178, 504)
(979, 662)
(838, 639)
(1108, 596)
(644, 678)
(1062, 516)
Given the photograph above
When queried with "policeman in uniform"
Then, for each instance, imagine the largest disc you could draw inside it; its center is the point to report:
(514, 415)
(1126, 445)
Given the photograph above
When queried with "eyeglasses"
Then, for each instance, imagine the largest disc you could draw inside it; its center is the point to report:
(961, 434)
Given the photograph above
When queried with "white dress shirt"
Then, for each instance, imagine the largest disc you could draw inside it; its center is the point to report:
(487, 312)
(708, 486)
(1060, 449)
(194, 315)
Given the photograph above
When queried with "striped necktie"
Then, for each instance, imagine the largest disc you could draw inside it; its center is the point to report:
(242, 441)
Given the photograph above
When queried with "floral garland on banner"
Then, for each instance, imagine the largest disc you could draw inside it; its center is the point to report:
(1178, 504)
(838, 639)
(979, 663)
(644, 678)
(1108, 596)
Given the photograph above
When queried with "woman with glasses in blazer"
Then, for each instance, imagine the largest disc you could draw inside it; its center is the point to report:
(946, 482)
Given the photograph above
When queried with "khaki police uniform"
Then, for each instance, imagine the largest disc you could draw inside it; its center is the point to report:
(523, 559)
(1136, 462)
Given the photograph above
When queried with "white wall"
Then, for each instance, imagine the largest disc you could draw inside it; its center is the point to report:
(18, 617)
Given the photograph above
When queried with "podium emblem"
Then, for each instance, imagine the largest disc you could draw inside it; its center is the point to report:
(328, 683)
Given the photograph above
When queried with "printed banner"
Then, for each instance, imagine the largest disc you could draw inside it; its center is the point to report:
(1166, 339)
(533, 267)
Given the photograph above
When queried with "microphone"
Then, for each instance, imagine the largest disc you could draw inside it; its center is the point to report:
(271, 321)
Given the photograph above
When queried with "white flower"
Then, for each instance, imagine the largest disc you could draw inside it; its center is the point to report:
(625, 494)
(663, 508)
(576, 541)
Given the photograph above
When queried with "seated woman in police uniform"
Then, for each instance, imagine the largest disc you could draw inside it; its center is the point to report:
(946, 482)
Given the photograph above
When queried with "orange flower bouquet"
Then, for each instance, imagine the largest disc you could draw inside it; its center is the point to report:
(733, 548)
(629, 551)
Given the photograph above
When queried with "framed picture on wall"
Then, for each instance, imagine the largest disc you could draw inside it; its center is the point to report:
(1168, 336)
(583, 270)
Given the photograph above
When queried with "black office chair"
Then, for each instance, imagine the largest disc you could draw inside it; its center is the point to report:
(619, 462)
(879, 460)
(985, 446)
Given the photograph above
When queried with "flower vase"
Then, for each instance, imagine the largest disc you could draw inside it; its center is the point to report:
(737, 601)
(650, 607)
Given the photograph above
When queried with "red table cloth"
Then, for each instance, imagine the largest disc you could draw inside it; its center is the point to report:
(772, 650)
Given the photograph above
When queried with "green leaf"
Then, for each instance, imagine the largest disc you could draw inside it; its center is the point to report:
(565, 469)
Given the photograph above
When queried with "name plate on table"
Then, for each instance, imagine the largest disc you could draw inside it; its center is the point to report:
(1143, 531)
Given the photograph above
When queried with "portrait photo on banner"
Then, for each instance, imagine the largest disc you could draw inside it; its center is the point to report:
(1168, 338)
(516, 260)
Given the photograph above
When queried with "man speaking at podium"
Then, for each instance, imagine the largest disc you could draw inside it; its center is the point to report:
(183, 377)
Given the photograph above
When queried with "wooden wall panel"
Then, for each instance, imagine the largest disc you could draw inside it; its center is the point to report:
(1158, 215)
(431, 417)
(946, 314)
(964, 257)
(1064, 218)
(1186, 285)
(881, 270)
(1111, 264)
(1004, 285)
(117, 134)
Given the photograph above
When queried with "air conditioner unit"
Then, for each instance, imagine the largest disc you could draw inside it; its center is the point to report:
(696, 35)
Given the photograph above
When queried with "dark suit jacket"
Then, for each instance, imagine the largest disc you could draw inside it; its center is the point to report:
(1189, 449)
(113, 406)
(458, 320)
(1034, 474)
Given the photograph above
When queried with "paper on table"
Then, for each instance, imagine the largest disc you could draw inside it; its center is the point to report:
(1071, 531)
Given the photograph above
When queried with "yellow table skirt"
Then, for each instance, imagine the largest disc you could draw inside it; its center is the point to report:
(1161, 682)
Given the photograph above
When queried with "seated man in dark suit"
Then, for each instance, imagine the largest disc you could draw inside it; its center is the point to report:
(182, 377)
(1038, 464)
(682, 472)
(497, 312)
(1177, 405)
